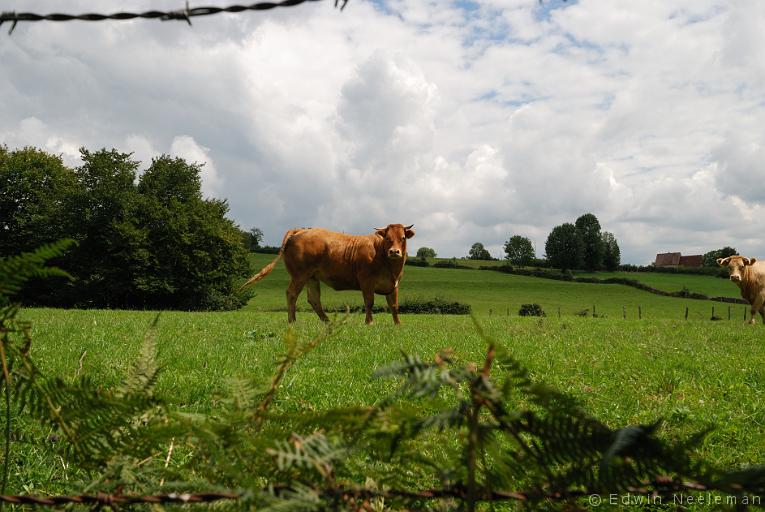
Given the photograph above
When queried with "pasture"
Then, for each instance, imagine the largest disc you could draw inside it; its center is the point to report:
(693, 374)
(486, 290)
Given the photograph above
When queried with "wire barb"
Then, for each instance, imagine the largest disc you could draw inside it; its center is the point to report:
(184, 14)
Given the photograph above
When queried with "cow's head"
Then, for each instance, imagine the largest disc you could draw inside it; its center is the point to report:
(736, 265)
(394, 239)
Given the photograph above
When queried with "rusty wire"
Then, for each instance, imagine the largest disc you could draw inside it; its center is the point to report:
(109, 500)
(184, 14)
(662, 485)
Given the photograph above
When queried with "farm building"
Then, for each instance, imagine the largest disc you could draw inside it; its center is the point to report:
(675, 259)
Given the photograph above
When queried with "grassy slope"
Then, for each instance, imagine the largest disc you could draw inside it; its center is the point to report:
(486, 290)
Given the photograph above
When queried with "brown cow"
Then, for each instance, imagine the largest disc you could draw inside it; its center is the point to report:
(372, 263)
(749, 275)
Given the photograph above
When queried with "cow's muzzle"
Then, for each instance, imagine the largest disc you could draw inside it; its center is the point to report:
(735, 278)
(394, 254)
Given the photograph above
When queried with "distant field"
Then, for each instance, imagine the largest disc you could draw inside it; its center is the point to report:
(708, 285)
(502, 293)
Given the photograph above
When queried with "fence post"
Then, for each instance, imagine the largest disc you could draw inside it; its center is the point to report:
(640, 313)
(593, 311)
(489, 311)
(728, 311)
(686, 312)
(558, 312)
(624, 312)
(713, 312)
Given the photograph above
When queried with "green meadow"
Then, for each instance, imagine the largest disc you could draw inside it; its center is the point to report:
(693, 373)
(503, 294)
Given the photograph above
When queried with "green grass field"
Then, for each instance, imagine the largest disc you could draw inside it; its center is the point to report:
(693, 374)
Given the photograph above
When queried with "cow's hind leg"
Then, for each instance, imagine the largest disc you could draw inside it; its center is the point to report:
(314, 298)
(293, 291)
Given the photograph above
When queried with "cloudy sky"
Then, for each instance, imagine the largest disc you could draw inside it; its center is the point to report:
(473, 120)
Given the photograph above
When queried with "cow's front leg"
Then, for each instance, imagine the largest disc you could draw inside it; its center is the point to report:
(757, 305)
(369, 301)
(392, 299)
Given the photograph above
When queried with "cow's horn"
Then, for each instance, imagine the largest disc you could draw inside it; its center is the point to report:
(380, 229)
(410, 226)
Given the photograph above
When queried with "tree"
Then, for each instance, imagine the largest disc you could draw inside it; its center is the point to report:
(710, 259)
(424, 253)
(252, 238)
(588, 229)
(196, 252)
(611, 253)
(519, 250)
(112, 246)
(154, 244)
(37, 191)
(478, 252)
(564, 248)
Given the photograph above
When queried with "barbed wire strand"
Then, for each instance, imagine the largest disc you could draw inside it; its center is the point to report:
(109, 500)
(662, 485)
(184, 14)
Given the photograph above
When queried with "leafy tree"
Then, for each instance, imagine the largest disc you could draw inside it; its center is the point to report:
(157, 243)
(112, 246)
(37, 190)
(588, 229)
(564, 248)
(478, 252)
(195, 251)
(611, 253)
(710, 259)
(255, 237)
(519, 250)
(424, 253)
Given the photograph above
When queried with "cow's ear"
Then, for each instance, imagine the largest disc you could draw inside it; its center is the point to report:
(409, 232)
(380, 232)
(749, 261)
(723, 262)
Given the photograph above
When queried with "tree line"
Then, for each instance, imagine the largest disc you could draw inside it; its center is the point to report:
(143, 240)
(579, 246)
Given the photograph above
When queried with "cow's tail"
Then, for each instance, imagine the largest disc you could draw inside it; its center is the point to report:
(268, 268)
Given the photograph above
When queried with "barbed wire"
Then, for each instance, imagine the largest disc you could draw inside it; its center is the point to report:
(660, 486)
(109, 500)
(184, 14)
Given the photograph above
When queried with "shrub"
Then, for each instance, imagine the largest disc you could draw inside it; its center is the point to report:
(531, 310)
(437, 305)
(416, 306)
(452, 263)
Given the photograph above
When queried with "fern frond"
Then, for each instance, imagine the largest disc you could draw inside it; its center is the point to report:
(15, 271)
(312, 451)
